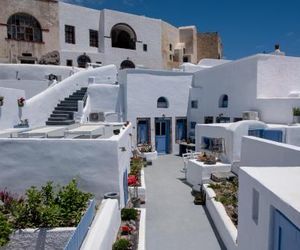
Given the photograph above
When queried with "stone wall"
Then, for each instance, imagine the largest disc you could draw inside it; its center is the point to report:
(46, 12)
(209, 45)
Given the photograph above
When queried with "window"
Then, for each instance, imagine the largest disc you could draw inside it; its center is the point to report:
(194, 104)
(222, 119)
(69, 34)
(83, 60)
(127, 64)
(171, 57)
(193, 125)
(162, 102)
(145, 47)
(223, 101)
(123, 36)
(208, 119)
(255, 205)
(24, 27)
(237, 119)
(69, 62)
(94, 38)
(170, 47)
(181, 129)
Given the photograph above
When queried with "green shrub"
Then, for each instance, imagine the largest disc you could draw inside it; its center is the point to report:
(129, 214)
(5, 230)
(121, 244)
(296, 111)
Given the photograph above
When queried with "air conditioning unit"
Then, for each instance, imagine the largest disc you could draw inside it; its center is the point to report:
(97, 117)
(250, 115)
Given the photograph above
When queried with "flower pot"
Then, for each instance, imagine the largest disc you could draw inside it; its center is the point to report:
(296, 119)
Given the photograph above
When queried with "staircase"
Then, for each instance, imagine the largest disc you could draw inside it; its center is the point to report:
(63, 113)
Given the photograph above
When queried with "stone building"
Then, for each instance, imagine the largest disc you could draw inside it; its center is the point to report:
(53, 32)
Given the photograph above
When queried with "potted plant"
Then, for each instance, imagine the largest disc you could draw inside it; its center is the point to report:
(296, 115)
(21, 102)
(1, 101)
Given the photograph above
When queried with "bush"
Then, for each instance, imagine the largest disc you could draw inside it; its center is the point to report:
(5, 230)
(121, 244)
(49, 206)
(296, 111)
(129, 214)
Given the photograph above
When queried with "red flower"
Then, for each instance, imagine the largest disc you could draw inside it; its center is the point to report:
(132, 180)
(126, 229)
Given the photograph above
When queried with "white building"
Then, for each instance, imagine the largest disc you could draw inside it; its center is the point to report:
(54, 32)
(268, 84)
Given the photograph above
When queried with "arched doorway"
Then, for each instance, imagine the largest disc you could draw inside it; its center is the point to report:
(123, 36)
(127, 64)
(83, 60)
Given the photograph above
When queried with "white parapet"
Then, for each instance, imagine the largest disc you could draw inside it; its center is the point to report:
(224, 225)
(105, 227)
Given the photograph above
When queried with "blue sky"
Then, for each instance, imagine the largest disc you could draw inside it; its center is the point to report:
(246, 26)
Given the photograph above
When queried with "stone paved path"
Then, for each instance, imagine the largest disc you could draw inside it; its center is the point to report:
(173, 222)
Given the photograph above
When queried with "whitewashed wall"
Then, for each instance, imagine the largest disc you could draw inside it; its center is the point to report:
(9, 112)
(38, 109)
(261, 152)
(148, 31)
(70, 14)
(144, 87)
(278, 188)
(277, 76)
(31, 78)
(97, 164)
(103, 98)
(250, 85)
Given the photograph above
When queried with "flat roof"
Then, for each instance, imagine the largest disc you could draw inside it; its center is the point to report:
(282, 181)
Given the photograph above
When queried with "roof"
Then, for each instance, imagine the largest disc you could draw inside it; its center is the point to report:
(283, 182)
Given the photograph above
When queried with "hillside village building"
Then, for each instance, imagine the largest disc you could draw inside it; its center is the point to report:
(53, 32)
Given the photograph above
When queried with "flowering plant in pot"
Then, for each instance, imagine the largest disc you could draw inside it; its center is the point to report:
(296, 115)
(21, 102)
(1, 100)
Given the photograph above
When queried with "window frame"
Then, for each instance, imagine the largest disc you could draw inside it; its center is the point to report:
(94, 38)
(70, 34)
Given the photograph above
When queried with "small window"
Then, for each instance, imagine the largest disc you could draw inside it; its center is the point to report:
(208, 119)
(194, 104)
(193, 125)
(69, 63)
(171, 57)
(184, 51)
(223, 101)
(255, 205)
(222, 119)
(145, 47)
(94, 38)
(69, 34)
(170, 47)
(162, 102)
(237, 119)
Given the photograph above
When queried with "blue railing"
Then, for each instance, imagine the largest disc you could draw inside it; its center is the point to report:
(82, 228)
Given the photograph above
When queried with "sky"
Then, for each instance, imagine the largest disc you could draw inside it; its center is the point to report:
(246, 27)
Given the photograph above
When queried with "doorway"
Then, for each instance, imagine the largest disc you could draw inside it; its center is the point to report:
(163, 135)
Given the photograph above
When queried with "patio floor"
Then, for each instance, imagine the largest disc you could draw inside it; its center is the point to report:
(173, 221)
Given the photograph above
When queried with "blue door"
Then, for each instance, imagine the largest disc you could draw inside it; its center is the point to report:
(125, 187)
(162, 135)
(286, 234)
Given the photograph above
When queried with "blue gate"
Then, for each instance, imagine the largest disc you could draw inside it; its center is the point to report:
(162, 135)
(286, 235)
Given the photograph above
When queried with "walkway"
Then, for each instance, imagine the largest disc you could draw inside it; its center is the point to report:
(173, 221)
